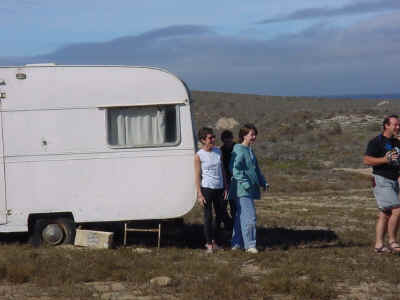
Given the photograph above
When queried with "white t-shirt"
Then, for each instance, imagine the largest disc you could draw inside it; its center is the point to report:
(211, 168)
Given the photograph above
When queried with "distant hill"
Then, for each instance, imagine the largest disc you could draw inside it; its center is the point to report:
(365, 96)
(303, 142)
(299, 128)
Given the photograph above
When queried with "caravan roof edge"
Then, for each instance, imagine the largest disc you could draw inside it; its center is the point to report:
(53, 65)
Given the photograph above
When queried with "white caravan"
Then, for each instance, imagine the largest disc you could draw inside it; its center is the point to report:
(92, 144)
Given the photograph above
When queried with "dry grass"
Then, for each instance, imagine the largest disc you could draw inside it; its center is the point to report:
(314, 245)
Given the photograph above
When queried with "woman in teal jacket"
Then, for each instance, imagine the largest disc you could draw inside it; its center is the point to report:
(245, 188)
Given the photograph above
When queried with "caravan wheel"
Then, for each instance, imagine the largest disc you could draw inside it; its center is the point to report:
(53, 232)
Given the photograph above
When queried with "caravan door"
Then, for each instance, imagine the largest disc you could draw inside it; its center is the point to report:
(3, 208)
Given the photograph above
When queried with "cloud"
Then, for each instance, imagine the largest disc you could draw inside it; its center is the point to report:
(12, 6)
(156, 45)
(358, 8)
(363, 58)
(180, 30)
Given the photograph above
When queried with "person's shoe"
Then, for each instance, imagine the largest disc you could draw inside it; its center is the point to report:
(252, 250)
(394, 247)
(236, 247)
(216, 247)
(382, 249)
(209, 248)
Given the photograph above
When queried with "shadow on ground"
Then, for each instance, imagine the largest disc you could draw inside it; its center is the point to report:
(14, 238)
(180, 235)
(285, 238)
(192, 237)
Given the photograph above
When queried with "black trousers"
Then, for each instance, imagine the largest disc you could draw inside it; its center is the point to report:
(214, 198)
(226, 218)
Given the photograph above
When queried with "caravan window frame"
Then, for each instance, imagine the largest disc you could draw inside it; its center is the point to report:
(130, 146)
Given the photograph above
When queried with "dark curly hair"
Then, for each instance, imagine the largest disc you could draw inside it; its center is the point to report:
(226, 134)
(203, 132)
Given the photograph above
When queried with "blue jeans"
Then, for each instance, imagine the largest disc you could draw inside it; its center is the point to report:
(244, 227)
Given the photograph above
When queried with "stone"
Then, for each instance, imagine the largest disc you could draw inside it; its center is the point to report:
(101, 288)
(161, 281)
(141, 250)
(94, 239)
(117, 286)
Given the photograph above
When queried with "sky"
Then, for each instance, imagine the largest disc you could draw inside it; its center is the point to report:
(275, 47)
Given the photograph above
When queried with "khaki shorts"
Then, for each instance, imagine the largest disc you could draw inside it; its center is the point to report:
(386, 193)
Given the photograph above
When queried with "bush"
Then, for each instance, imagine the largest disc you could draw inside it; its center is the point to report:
(374, 127)
(335, 129)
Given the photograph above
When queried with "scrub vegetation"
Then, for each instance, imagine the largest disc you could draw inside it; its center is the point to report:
(315, 228)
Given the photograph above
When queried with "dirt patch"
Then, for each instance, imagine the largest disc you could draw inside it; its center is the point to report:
(363, 171)
(351, 120)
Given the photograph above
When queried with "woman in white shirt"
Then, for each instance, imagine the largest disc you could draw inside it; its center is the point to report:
(210, 184)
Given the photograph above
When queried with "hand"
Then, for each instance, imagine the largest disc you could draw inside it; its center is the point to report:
(266, 188)
(391, 156)
(201, 199)
(226, 193)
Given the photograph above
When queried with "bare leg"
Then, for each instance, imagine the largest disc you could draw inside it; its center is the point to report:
(381, 228)
(393, 225)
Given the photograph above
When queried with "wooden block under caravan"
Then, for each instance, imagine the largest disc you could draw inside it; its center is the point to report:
(94, 239)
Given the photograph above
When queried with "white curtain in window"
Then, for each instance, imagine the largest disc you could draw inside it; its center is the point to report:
(138, 126)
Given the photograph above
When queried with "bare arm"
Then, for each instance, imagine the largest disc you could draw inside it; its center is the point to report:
(197, 179)
(375, 161)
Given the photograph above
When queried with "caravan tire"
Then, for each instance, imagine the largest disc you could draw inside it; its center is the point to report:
(53, 232)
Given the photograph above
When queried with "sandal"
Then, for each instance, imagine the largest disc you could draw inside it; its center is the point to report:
(394, 247)
(382, 249)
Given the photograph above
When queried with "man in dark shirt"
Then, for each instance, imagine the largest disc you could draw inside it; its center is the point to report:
(226, 149)
(382, 156)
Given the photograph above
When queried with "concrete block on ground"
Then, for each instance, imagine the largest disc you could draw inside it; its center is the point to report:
(94, 239)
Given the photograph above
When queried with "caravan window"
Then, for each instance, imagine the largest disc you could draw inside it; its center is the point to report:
(144, 126)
